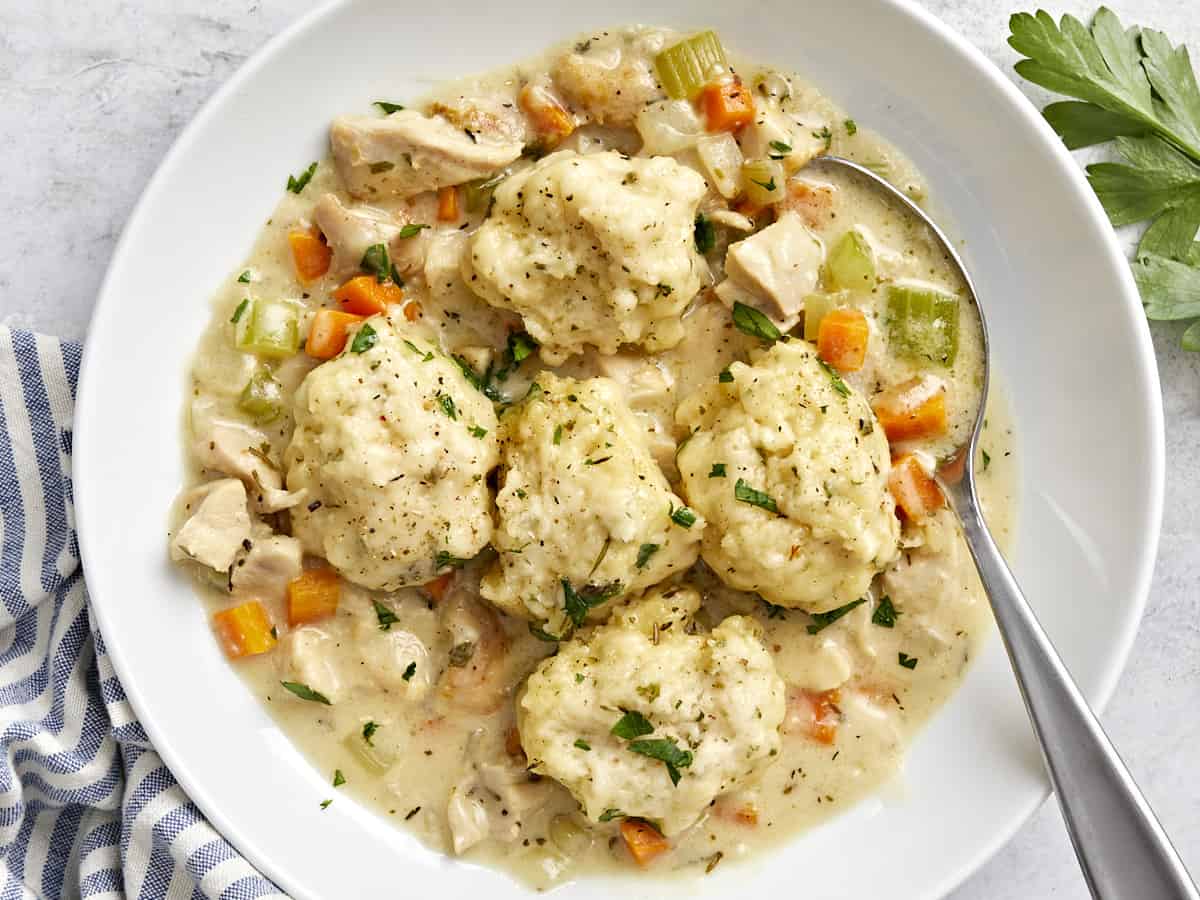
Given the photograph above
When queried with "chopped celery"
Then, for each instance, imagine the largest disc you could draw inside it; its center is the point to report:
(262, 398)
(478, 194)
(851, 263)
(270, 328)
(816, 307)
(685, 68)
(923, 323)
(763, 180)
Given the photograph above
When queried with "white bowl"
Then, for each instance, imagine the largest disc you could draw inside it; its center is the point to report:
(1069, 341)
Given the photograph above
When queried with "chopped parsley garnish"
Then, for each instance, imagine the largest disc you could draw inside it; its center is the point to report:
(558, 430)
(426, 355)
(368, 731)
(885, 613)
(632, 725)
(745, 493)
(752, 322)
(542, 634)
(765, 185)
(775, 612)
(387, 107)
(582, 744)
(825, 619)
(838, 385)
(325, 804)
(338, 778)
(521, 346)
(683, 516)
(409, 671)
(851, 127)
(987, 459)
(717, 470)
(240, 311)
(597, 461)
(477, 431)
(909, 662)
(304, 692)
(705, 233)
(364, 340)
(442, 559)
(412, 230)
(579, 678)
(609, 814)
(726, 377)
(577, 603)
(650, 692)
(447, 404)
(644, 553)
(386, 617)
(460, 654)
(376, 262)
(296, 185)
(781, 149)
(666, 751)
(244, 278)
(824, 135)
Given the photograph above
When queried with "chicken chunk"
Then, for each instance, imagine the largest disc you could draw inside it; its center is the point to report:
(407, 153)
(774, 270)
(350, 230)
(773, 129)
(310, 657)
(217, 526)
(265, 569)
(242, 452)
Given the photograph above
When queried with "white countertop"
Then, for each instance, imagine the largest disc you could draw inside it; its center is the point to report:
(93, 92)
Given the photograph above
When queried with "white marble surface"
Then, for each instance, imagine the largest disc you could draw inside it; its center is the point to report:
(93, 92)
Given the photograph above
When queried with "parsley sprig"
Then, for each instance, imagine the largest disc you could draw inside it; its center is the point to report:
(1133, 87)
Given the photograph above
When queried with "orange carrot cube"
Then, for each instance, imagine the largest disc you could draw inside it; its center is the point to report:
(842, 339)
(245, 630)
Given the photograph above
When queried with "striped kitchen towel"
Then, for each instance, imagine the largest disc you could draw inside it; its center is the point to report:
(87, 808)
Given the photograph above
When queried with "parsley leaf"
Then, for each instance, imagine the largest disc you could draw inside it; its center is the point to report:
(386, 617)
(442, 559)
(478, 431)
(666, 751)
(644, 553)
(577, 603)
(781, 149)
(411, 230)
(632, 725)
(521, 346)
(683, 517)
(582, 744)
(825, 619)
(838, 385)
(705, 233)
(369, 729)
(409, 671)
(446, 402)
(364, 340)
(752, 322)
(325, 804)
(388, 108)
(244, 278)
(609, 814)
(296, 184)
(851, 127)
(542, 634)
(744, 492)
(376, 262)
(304, 692)
(717, 470)
(909, 662)
(885, 613)
(338, 778)
(725, 377)
(240, 311)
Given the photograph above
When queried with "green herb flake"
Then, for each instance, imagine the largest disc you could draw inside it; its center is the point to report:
(823, 620)
(376, 262)
(304, 692)
(644, 553)
(409, 671)
(781, 149)
(717, 470)
(542, 634)
(705, 233)
(649, 692)
(609, 814)
(364, 340)
(388, 107)
(368, 732)
(885, 613)
(577, 603)
(835, 379)
(386, 617)
(521, 346)
(579, 678)
(752, 322)
(582, 744)
(297, 184)
(412, 230)
(446, 402)
(338, 778)
(558, 430)
(240, 311)
(244, 278)
(747, 494)
(908, 662)
(478, 431)
(683, 517)
(851, 127)
(325, 804)
(632, 725)
(667, 752)
(987, 459)
(726, 377)
(443, 559)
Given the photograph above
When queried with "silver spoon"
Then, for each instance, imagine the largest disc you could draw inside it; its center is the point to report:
(1121, 847)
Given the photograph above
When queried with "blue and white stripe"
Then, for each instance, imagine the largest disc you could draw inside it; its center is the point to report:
(87, 808)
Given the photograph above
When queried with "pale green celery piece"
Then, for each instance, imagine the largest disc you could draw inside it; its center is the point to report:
(923, 324)
(685, 68)
(270, 328)
(763, 180)
(816, 307)
(262, 398)
(1191, 337)
(373, 757)
(478, 194)
(851, 263)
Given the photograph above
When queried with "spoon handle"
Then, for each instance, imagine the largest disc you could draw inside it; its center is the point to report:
(1121, 847)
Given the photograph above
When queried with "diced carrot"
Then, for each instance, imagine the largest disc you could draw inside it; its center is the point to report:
(550, 119)
(842, 339)
(728, 106)
(913, 410)
(814, 714)
(310, 254)
(916, 494)
(314, 595)
(245, 630)
(438, 587)
(447, 210)
(645, 842)
(327, 334)
(811, 202)
(366, 295)
(412, 310)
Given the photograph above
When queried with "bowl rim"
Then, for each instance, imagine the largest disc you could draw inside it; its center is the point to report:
(959, 45)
